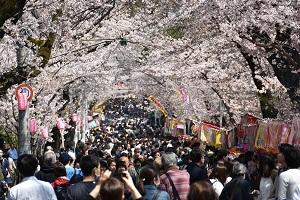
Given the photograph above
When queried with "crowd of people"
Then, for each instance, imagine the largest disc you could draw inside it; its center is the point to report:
(116, 164)
(162, 174)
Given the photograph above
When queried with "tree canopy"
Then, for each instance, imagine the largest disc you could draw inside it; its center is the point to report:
(231, 57)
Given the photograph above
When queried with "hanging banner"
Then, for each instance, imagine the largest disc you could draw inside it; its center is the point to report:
(260, 134)
(210, 134)
(295, 131)
(158, 105)
(183, 94)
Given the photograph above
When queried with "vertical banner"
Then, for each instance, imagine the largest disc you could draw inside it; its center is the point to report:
(183, 94)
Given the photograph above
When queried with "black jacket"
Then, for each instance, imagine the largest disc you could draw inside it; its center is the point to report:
(46, 174)
(80, 191)
(197, 173)
(237, 189)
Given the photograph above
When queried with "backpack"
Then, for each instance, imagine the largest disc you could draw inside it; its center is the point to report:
(77, 177)
(61, 192)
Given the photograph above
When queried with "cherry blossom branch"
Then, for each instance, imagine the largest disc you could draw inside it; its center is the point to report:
(278, 47)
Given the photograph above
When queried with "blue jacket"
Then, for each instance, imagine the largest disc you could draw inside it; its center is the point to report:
(150, 191)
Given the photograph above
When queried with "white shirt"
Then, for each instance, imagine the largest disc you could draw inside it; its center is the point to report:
(228, 179)
(296, 195)
(217, 185)
(265, 188)
(72, 154)
(288, 181)
(32, 189)
(12, 165)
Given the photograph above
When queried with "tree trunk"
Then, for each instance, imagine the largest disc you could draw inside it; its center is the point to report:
(23, 137)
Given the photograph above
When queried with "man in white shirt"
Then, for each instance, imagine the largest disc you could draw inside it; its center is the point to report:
(30, 187)
(290, 179)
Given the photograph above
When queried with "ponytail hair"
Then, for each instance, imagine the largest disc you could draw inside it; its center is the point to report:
(148, 174)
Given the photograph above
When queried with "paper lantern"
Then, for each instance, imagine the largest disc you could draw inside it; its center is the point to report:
(22, 101)
(74, 117)
(32, 126)
(60, 124)
(44, 132)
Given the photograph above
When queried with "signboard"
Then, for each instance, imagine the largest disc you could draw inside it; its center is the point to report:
(24, 88)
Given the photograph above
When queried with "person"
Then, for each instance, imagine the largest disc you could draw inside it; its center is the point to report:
(12, 172)
(289, 179)
(70, 146)
(218, 178)
(281, 165)
(138, 164)
(149, 180)
(104, 166)
(5, 169)
(12, 152)
(238, 188)
(229, 166)
(112, 165)
(130, 168)
(78, 176)
(90, 168)
(30, 187)
(202, 190)
(65, 159)
(47, 169)
(196, 169)
(110, 188)
(61, 182)
(253, 176)
(175, 182)
(266, 183)
(12, 156)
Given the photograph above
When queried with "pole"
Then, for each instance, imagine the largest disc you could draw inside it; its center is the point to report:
(81, 122)
(85, 125)
(76, 134)
(23, 137)
(221, 113)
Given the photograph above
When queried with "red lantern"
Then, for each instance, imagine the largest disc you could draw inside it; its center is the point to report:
(22, 101)
(32, 126)
(44, 132)
(74, 117)
(60, 124)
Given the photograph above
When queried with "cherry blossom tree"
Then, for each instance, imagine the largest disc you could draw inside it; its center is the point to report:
(232, 57)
